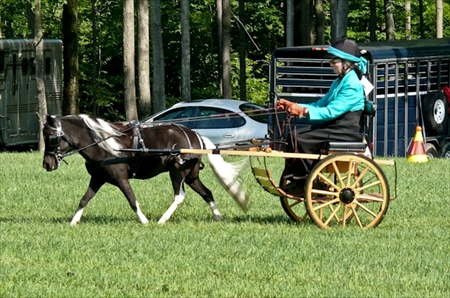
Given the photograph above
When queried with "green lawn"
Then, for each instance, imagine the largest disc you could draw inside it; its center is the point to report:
(258, 254)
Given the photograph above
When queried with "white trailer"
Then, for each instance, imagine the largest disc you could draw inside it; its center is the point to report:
(19, 124)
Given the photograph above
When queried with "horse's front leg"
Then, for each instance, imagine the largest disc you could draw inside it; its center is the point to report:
(180, 194)
(125, 187)
(94, 186)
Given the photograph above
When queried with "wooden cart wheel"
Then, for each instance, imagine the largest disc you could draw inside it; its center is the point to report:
(293, 207)
(346, 188)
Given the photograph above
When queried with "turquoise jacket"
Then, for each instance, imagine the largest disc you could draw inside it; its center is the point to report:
(345, 95)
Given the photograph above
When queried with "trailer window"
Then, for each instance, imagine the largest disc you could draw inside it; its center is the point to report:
(24, 66)
(2, 61)
(47, 65)
(32, 67)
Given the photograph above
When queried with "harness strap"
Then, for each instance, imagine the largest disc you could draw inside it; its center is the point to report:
(181, 127)
(138, 141)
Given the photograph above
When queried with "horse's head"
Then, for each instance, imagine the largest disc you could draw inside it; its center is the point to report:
(56, 145)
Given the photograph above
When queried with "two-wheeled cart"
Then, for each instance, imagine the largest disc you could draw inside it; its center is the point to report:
(343, 188)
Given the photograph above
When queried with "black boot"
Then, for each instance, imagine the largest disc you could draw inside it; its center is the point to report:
(296, 188)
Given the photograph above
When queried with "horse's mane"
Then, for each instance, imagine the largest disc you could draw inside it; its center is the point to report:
(103, 133)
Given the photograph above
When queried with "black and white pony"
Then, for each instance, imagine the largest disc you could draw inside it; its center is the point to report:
(106, 149)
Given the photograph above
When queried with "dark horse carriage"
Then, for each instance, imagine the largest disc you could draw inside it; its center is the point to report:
(344, 185)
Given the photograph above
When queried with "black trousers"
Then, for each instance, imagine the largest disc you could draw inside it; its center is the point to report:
(314, 138)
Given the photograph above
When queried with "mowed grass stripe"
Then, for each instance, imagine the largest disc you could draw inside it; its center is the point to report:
(258, 254)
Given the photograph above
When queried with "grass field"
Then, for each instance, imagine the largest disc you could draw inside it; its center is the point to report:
(258, 254)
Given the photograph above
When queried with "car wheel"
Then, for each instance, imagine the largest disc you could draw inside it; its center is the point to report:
(444, 152)
(435, 115)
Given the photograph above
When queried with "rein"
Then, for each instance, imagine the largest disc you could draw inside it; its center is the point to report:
(269, 111)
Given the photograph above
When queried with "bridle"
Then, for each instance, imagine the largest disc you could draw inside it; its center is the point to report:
(54, 142)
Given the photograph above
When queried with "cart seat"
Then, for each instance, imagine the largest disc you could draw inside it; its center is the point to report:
(334, 147)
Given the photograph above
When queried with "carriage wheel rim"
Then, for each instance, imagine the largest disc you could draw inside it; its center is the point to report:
(366, 210)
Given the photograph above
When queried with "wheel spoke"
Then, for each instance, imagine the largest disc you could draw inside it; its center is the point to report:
(321, 206)
(329, 182)
(332, 214)
(349, 173)
(360, 177)
(337, 173)
(367, 186)
(369, 198)
(296, 202)
(358, 221)
(366, 209)
(344, 217)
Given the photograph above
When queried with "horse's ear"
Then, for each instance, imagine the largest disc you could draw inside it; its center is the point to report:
(50, 118)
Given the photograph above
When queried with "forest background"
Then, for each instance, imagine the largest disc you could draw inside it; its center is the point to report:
(255, 29)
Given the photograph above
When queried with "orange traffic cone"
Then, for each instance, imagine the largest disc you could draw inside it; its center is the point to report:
(418, 152)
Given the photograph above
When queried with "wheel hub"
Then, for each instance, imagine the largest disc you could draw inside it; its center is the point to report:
(346, 195)
(439, 111)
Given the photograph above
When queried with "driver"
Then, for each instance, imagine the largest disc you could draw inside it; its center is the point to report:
(337, 116)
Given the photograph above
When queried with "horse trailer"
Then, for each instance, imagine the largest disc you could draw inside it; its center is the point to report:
(19, 122)
(411, 88)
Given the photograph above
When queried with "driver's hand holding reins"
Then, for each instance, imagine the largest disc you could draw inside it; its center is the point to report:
(292, 108)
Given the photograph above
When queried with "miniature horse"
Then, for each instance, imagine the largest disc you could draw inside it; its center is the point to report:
(104, 147)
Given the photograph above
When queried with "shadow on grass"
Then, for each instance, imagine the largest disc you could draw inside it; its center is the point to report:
(107, 220)
(66, 220)
(271, 219)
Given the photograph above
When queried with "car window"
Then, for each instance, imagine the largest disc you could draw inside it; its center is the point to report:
(177, 116)
(217, 118)
(255, 112)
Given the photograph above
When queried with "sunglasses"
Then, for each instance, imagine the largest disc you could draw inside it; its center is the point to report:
(335, 60)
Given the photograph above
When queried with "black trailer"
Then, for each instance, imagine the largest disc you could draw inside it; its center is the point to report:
(411, 80)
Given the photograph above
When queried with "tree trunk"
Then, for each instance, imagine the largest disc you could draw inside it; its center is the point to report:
(95, 57)
(226, 49)
(185, 52)
(421, 20)
(408, 19)
(39, 64)
(339, 19)
(219, 42)
(302, 36)
(320, 23)
(144, 105)
(70, 35)
(390, 27)
(373, 20)
(242, 53)
(290, 17)
(158, 88)
(439, 19)
(128, 61)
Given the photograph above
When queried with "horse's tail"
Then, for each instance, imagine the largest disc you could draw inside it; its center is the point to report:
(227, 174)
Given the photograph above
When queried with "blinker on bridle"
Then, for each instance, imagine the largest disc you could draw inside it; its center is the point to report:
(54, 142)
